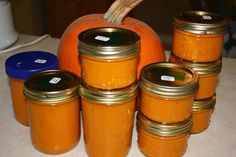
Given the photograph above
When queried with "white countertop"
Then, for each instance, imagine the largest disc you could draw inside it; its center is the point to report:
(219, 140)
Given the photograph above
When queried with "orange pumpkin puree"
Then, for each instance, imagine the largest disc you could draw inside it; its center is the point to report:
(207, 86)
(109, 74)
(18, 101)
(158, 146)
(55, 128)
(197, 47)
(165, 110)
(201, 120)
(107, 128)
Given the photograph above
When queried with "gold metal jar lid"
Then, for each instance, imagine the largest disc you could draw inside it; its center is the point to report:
(200, 67)
(168, 80)
(204, 104)
(200, 22)
(109, 43)
(160, 129)
(51, 86)
(108, 97)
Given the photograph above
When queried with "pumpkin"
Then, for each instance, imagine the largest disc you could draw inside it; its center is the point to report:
(151, 46)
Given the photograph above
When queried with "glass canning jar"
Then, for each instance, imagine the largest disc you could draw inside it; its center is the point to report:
(198, 35)
(167, 92)
(18, 68)
(108, 117)
(162, 140)
(109, 57)
(54, 112)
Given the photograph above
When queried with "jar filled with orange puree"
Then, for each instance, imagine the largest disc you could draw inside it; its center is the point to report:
(167, 92)
(53, 107)
(108, 117)
(18, 68)
(109, 57)
(198, 35)
(162, 140)
(202, 111)
(208, 75)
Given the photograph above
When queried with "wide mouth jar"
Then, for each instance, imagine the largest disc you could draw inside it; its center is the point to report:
(201, 115)
(208, 75)
(53, 106)
(109, 57)
(167, 92)
(198, 35)
(108, 117)
(167, 139)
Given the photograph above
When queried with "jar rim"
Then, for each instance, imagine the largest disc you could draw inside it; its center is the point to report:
(51, 86)
(151, 80)
(108, 43)
(200, 22)
(161, 129)
(108, 97)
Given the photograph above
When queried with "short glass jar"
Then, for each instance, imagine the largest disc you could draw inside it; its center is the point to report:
(167, 92)
(201, 115)
(162, 140)
(18, 68)
(208, 75)
(108, 117)
(109, 57)
(198, 35)
(54, 112)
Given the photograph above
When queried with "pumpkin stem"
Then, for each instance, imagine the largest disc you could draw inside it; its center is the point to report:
(119, 9)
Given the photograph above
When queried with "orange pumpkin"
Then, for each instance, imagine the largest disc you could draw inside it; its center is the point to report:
(151, 46)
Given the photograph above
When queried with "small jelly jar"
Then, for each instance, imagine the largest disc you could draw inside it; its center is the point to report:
(162, 140)
(19, 67)
(208, 75)
(198, 36)
(167, 92)
(109, 57)
(108, 117)
(201, 115)
(53, 107)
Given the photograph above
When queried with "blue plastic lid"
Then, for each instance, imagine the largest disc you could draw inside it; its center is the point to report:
(22, 65)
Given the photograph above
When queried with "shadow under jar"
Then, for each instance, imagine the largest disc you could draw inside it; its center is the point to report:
(162, 140)
(53, 107)
(208, 75)
(109, 57)
(108, 120)
(167, 92)
(198, 35)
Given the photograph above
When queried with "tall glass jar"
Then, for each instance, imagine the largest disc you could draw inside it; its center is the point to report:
(162, 140)
(108, 120)
(54, 113)
(198, 35)
(109, 57)
(18, 68)
(167, 92)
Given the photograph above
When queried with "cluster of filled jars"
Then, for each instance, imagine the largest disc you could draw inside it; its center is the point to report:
(171, 98)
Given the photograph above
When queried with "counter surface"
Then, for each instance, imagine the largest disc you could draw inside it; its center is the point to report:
(219, 140)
